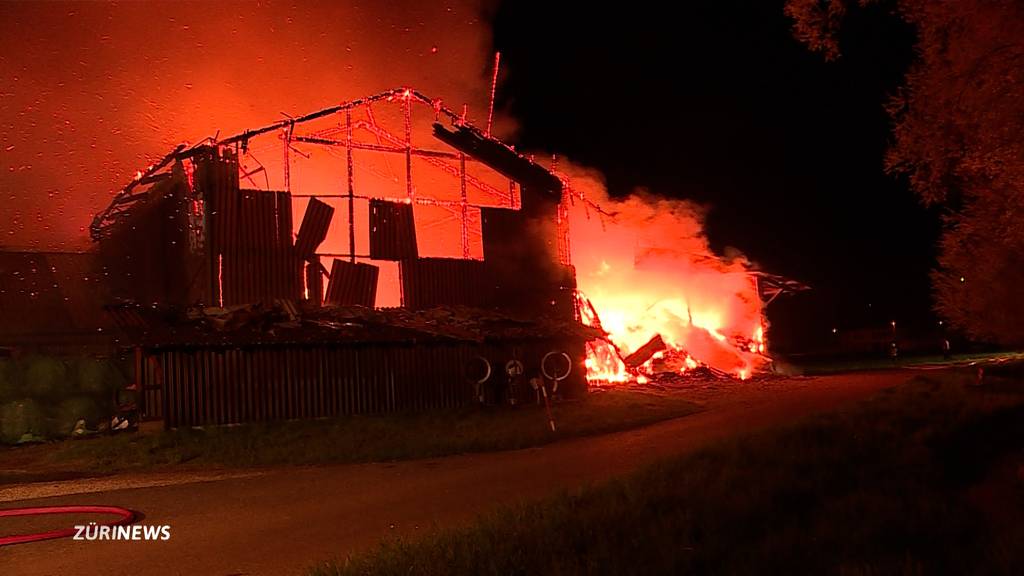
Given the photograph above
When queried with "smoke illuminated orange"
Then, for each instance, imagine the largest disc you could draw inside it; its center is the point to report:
(647, 269)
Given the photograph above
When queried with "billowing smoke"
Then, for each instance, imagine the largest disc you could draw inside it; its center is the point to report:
(647, 268)
(90, 92)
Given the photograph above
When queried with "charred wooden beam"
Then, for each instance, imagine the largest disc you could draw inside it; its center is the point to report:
(502, 159)
(645, 352)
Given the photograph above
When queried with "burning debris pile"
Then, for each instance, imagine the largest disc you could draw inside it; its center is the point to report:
(648, 277)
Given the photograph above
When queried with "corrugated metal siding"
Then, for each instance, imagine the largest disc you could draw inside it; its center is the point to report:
(352, 284)
(151, 381)
(392, 231)
(282, 383)
(313, 230)
(250, 253)
(256, 261)
(226, 386)
(429, 282)
(216, 181)
(526, 288)
(146, 251)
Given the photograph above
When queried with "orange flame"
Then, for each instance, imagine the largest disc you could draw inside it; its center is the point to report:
(647, 270)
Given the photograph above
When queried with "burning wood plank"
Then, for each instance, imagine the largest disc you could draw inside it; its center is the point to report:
(645, 352)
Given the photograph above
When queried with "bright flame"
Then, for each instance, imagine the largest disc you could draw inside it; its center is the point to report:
(647, 270)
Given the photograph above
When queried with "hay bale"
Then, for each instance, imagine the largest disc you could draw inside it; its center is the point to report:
(45, 377)
(74, 409)
(96, 377)
(20, 417)
(10, 387)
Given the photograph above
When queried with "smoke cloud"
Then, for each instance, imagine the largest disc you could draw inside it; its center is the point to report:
(90, 92)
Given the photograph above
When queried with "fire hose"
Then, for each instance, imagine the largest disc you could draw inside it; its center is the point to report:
(124, 517)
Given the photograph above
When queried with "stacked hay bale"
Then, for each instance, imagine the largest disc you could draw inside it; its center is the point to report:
(44, 397)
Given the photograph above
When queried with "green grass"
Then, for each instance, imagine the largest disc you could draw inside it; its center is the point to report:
(922, 479)
(368, 438)
(880, 362)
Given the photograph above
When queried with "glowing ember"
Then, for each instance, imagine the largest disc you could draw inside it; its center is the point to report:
(647, 270)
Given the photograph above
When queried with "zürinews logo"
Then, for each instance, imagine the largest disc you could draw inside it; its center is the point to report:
(135, 532)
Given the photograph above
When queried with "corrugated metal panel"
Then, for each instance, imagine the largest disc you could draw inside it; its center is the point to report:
(285, 271)
(256, 260)
(249, 232)
(352, 284)
(146, 252)
(392, 231)
(313, 230)
(428, 282)
(216, 182)
(150, 378)
(224, 386)
(231, 386)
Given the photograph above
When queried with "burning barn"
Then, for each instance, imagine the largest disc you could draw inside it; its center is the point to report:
(382, 255)
(248, 299)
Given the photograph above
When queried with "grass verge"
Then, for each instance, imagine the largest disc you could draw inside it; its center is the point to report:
(840, 365)
(925, 478)
(356, 438)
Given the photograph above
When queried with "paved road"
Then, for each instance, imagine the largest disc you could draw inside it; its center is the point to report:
(281, 521)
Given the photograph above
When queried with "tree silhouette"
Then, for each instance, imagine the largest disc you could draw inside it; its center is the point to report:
(958, 137)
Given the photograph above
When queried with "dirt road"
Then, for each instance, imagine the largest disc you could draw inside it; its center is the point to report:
(283, 520)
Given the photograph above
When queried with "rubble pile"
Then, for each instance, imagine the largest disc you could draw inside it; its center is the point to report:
(288, 321)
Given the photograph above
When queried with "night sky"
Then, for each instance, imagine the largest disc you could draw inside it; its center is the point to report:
(724, 107)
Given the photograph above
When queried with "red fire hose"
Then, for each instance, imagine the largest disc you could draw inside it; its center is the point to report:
(124, 516)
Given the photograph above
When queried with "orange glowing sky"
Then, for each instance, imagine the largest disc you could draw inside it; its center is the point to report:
(90, 92)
